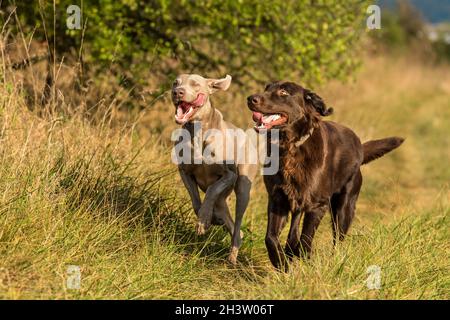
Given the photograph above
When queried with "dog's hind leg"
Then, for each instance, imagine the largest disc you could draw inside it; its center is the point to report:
(212, 194)
(242, 190)
(343, 207)
(310, 224)
(293, 242)
(221, 215)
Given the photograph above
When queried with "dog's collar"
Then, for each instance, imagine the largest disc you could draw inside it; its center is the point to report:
(302, 140)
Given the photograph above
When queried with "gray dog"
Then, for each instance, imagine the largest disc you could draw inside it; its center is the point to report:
(191, 97)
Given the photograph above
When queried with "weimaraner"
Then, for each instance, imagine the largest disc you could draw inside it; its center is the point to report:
(191, 97)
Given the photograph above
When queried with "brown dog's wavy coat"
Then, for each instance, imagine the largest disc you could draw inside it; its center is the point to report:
(319, 167)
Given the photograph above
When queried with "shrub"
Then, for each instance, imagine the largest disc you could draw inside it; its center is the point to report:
(252, 40)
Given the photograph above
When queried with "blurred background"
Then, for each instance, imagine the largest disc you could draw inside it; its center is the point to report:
(127, 53)
(86, 120)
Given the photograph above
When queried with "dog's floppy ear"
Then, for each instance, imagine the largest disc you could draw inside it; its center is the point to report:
(219, 84)
(317, 103)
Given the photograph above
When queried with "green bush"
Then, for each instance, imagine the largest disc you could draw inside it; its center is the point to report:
(250, 39)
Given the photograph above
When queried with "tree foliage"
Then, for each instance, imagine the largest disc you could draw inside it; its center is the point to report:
(251, 39)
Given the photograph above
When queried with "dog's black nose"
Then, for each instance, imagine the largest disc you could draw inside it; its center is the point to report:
(254, 99)
(179, 92)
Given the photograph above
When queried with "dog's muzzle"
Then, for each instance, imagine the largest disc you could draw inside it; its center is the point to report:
(185, 110)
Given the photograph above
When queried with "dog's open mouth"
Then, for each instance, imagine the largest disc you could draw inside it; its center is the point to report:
(186, 110)
(267, 121)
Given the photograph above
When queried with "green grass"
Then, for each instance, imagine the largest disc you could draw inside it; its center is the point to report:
(109, 200)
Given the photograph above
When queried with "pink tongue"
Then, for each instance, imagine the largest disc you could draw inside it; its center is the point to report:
(184, 106)
(200, 100)
(180, 112)
(257, 116)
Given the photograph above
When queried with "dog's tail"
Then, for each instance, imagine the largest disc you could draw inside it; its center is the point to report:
(375, 149)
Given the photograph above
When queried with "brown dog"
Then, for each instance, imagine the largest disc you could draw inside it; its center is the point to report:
(319, 167)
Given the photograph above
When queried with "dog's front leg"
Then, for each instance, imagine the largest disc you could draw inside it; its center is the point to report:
(278, 210)
(212, 193)
(192, 188)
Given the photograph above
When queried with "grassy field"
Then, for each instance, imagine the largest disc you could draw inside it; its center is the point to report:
(108, 200)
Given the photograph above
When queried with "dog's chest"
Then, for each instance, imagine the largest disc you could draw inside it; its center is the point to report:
(208, 149)
(296, 190)
(204, 175)
(293, 180)
(204, 158)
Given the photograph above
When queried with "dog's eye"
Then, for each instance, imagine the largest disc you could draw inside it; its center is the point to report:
(283, 92)
(177, 82)
(195, 84)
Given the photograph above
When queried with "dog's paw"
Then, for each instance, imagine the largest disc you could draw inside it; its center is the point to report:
(200, 228)
(232, 258)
